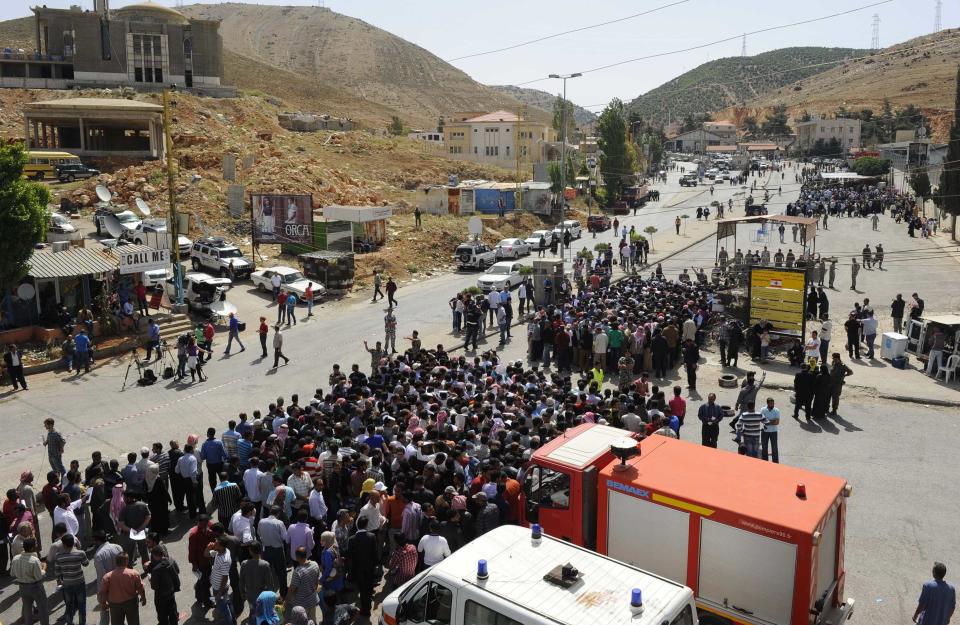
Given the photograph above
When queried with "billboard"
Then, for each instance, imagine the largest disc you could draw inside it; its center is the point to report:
(777, 295)
(282, 218)
(146, 260)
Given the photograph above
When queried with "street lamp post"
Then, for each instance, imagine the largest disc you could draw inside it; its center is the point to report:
(563, 151)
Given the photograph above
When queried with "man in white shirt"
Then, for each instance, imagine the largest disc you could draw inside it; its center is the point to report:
(251, 482)
(493, 298)
(318, 505)
(372, 512)
(433, 546)
(64, 513)
(771, 428)
(241, 523)
(812, 347)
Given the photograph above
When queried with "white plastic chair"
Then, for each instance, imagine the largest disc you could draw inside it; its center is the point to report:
(949, 370)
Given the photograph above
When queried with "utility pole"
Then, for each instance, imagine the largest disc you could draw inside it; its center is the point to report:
(875, 37)
(173, 228)
(517, 148)
(936, 16)
(563, 151)
(743, 46)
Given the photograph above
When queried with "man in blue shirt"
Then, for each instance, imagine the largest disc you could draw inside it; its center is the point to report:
(153, 337)
(82, 348)
(215, 454)
(234, 334)
(937, 599)
(291, 309)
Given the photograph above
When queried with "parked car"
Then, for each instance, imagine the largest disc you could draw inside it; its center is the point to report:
(290, 280)
(200, 291)
(142, 235)
(60, 224)
(569, 224)
(215, 254)
(512, 248)
(503, 275)
(68, 172)
(474, 255)
(534, 239)
(598, 223)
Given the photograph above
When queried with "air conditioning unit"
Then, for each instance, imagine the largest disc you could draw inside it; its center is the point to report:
(60, 246)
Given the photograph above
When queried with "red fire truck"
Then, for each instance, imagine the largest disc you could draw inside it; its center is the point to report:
(759, 543)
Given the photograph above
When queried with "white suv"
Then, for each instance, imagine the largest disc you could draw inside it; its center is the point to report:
(220, 258)
(475, 255)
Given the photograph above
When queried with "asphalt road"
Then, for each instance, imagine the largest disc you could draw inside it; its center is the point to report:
(896, 456)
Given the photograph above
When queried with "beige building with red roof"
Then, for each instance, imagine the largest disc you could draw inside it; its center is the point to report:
(499, 138)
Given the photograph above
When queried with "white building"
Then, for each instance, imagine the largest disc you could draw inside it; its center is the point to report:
(430, 136)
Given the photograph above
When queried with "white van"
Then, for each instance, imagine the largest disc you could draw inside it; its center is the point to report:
(507, 577)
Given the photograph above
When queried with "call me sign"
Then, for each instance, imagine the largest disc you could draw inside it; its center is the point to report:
(148, 260)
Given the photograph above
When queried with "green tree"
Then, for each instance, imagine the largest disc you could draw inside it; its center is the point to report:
(749, 126)
(553, 170)
(870, 166)
(396, 125)
(805, 116)
(571, 176)
(776, 122)
(950, 176)
(615, 159)
(23, 215)
(920, 183)
(558, 105)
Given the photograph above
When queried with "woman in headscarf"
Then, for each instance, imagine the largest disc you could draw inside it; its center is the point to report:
(821, 396)
(265, 610)
(331, 573)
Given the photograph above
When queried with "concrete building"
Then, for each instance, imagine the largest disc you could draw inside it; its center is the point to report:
(498, 138)
(430, 136)
(846, 131)
(96, 127)
(726, 130)
(146, 45)
(695, 141)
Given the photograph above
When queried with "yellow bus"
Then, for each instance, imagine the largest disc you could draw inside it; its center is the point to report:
(41, 163)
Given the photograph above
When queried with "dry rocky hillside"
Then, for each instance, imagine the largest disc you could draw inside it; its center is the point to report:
(921, 72)
(354, 167)
(365, 72)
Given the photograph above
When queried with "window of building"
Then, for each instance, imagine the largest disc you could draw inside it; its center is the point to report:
(147, 58)
(475, 149)
(508, 150)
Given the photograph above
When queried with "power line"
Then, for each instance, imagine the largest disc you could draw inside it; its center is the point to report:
(719, 41)
(567, 32)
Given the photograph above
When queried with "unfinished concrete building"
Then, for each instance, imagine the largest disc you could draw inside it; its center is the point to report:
(96, 127)
(147, 46)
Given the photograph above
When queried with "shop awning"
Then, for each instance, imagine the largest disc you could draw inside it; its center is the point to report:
(70, 263)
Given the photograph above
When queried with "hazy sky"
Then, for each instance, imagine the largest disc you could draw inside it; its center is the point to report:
(453, 28)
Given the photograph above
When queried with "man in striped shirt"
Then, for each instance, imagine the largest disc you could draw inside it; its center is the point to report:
(750, 427)
(28, 573)
(69, 572)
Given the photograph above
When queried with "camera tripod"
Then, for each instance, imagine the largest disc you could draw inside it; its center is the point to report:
(134, 360)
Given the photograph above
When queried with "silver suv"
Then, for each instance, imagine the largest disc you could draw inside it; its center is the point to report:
(220, 258)
(475, 255)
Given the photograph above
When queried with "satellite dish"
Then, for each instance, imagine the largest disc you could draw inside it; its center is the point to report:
(143, 207)
(103, 193)
(223, 308)
(26, 291)
(475, 226)
(113, 226)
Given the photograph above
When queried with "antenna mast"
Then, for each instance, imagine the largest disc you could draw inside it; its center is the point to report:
(743, 46)
(875, 37)
(936, 16)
